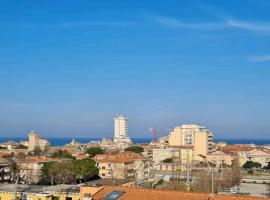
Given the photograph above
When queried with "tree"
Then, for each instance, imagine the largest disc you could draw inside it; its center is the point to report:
(68, 171)
(62, 154)
(267, 166)
(84, 169)
(168, 160)
(47, 175)
(250, 165)
(92, 151)
(236, 172)
(21, 146)
(135, 149)
(36, 152)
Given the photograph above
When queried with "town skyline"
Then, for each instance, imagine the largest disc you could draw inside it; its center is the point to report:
(69, 68)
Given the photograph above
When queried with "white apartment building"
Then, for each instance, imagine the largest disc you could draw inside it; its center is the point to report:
(121, 129)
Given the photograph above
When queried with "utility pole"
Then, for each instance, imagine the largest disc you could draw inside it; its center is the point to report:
(188, 169)
(212, 169)
(222, 162)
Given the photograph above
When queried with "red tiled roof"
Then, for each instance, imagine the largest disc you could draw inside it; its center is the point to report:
(132, 193)
(124, 157)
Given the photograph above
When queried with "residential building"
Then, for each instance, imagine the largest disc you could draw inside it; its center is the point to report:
(164, 141)
(126, 165)
(255, 155)
(31, 192)
(121, 129)
(30, 168)
(220, 158)
(163, 153)
(200, 138)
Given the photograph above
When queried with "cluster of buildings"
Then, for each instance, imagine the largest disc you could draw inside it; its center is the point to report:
(187, 147)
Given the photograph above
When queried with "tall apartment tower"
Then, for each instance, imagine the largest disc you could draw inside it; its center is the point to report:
(193, 135)
(121, 129)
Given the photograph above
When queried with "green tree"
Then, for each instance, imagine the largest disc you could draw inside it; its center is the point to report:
(62, 154)
(68, 171)
(20, 146)
(92, 151)
(250, 165)
(84, 169)
(135, 149)
(168, 160)
(267, 166)
(47, 177)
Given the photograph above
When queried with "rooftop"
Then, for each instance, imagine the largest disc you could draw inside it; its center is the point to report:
(124, 157)
(132, 193)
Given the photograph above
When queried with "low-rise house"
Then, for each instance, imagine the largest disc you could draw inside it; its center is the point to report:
(219, 158)
(163, 153)
(126, 165)
(255, 155)
(30, 168)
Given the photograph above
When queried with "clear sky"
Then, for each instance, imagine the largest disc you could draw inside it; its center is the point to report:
(67, 67)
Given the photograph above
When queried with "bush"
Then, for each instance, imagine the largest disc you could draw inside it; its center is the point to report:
(168, 160)
(135, 149)
(250, 165)
(62, 154)
(92, 151)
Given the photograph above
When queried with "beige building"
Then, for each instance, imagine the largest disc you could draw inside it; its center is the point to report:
(163, 153)
(36, 141)
(200, 138)
(219, 158)
(30, 168)
(126, 165)
(255, 155)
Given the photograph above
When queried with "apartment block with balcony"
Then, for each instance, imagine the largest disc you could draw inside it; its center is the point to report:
(196, 136)
(126, 165)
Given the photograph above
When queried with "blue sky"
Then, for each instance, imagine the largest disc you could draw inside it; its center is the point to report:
(67, 67)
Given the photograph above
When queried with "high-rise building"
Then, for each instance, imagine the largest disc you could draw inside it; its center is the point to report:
(199, 137)
(121, 129)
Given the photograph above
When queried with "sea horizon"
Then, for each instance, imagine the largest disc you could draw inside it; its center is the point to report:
(60, 141)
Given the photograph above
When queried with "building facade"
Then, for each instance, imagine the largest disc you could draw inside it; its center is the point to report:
(121, 129)
(126, 165)
(196, 136)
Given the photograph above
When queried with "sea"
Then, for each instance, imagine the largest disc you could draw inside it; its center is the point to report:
(57, 141)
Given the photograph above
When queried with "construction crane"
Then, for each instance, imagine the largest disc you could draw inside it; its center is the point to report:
(155, 131)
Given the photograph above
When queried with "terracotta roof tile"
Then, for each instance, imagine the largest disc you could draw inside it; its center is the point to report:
(132, 193)
(119, 158)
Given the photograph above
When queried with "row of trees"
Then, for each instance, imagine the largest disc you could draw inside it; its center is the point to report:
(255, 165)
(226, 178)
(68, 171)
